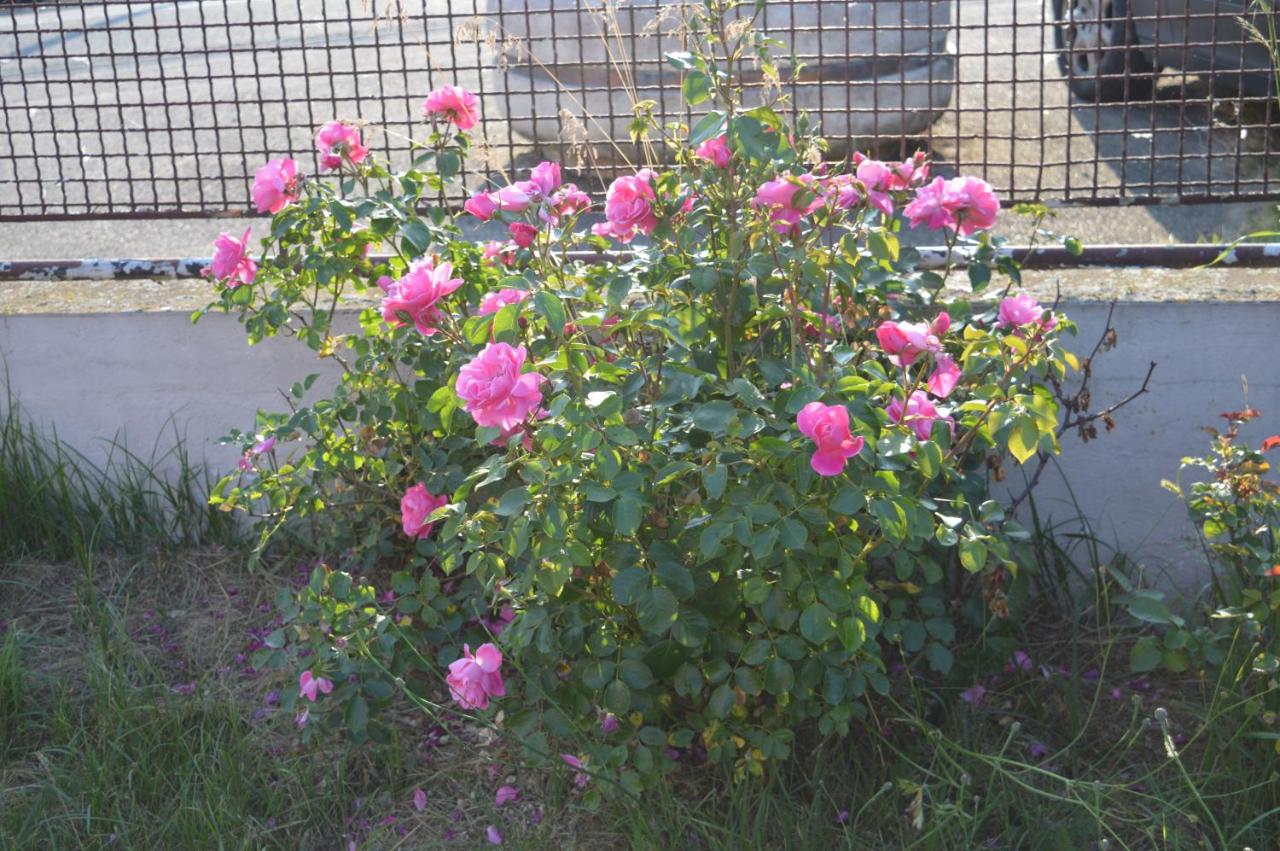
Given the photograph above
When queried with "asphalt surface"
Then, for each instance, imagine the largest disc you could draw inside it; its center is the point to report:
(138, 103)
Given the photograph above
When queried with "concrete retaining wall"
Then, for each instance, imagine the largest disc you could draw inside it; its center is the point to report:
(95, 372)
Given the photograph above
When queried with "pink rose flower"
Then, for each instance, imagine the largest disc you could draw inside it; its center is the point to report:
(518, 197)
(501, 251)
(974, 204)
(843, 191)
(945, 377)
(416, 293)
(482, 205)
(903, 342)
(778, 197)
(567, 201)
(715, 151)
(275, 185)
(415, 507)
(338, 142)
(454, 105)
(309, 686)
(918, 413)
(473, 680)
(828, 427)
(546, 176)
(522, 233)
(495, 301)
(1022, 309)
(495, 391)
(628, 207)
(910, 172)
(231, 261)
(962, 204)
(877, 178)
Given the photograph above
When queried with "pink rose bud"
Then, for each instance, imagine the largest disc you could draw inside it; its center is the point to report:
(522, 233)
(903, 342)
(546, 176)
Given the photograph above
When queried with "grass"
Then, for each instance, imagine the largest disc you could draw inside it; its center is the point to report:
(129, 719)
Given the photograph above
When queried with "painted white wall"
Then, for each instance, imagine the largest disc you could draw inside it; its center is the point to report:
(94, 376)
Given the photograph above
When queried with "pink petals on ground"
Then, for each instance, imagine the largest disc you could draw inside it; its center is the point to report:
(310, 685)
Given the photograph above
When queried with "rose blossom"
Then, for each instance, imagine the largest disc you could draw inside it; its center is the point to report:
(495, 301)
(945, 377)
(919, 413)
(715, 151)
(415, 507)
(309, 685)
(903, 342)
(546, 176)
(416, 294)
(337, 142)
(518, 197)
(482, 205)
(522, 233)
(502, 251)
(231, 261)
(275, 185)
(778, 196)
(568, 200)
(878, 180)
(452, 104)
(495, 391)
(628, 207)
(963, 204)
(1022, 309)
(828, 427)
(473, 679)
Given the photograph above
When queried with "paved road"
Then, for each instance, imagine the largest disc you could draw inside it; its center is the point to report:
(130, 103)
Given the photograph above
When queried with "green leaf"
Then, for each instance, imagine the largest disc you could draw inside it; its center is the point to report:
(1149, 608)
(714, 480)
(357, 716)
(714, 417)
(848, 500)
(635, 673)
(416, 234)
(549, 307)
(973, 554)
(597, 673)
(696, 87)
(512, 502)
(657, 610)
(677, 578)
(940, 658)
(707, 127)
(691, 628)
(629, 584)
(1023, 438)
(779, 677)
(1145, 655)
(756, 651)
(626, 514)
(722, 700)
(817, 624)
(617, 697)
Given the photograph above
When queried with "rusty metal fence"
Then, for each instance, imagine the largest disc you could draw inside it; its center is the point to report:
(140, 109)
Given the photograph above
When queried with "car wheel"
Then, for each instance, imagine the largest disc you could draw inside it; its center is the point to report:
(1091, 37)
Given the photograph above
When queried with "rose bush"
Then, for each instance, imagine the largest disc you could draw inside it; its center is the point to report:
(683, 501)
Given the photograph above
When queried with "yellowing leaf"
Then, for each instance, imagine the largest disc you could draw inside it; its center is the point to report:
(1023, 439)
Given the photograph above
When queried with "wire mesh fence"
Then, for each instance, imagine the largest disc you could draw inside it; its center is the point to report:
(138, 108)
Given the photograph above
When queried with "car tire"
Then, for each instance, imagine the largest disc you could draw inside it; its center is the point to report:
(1087, 35)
